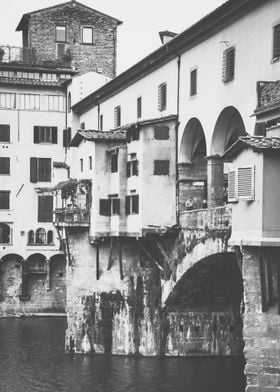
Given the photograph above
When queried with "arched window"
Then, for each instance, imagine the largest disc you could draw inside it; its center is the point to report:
(69, 104)
(5, 233)
(40, 236)
(30, 239)
(50, 237)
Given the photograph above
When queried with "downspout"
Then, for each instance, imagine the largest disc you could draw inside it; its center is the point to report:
(98, 115)
(177, 139)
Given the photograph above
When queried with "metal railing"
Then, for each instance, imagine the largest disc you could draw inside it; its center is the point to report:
(10, 54)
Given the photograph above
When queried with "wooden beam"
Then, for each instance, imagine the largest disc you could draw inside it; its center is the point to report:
(148, 254)
(120, 258)
(97, 260)
(110, 260)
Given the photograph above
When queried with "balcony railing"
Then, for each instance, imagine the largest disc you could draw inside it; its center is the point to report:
(72, 217)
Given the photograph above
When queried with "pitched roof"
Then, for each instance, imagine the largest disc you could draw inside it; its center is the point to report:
(27, 15)
(218, 19)
(257, 143)
(98, 136)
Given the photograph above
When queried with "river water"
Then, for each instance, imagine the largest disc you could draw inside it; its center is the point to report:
(32, 359)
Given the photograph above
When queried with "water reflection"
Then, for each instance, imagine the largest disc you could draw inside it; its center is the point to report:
(32, 359)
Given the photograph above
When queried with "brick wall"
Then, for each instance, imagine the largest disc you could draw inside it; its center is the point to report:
(99, 57)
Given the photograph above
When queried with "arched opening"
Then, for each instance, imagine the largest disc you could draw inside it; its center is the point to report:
(30, 237)
(5, 233)
(36, 263)
(228, 128)
(58, 282)
(40, 236)
(203, 311)
(192, 167)
(50, 237)
(10, 278)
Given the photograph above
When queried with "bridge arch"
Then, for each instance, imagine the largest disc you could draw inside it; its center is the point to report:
(203, 310)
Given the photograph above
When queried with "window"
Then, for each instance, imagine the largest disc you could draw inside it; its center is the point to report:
(56, 103)
(132, 134)
(44, 134)
(50, 237)
(29, 101)
(117, 116)
(139, 107)
(4, 133)
(241, 184)
(108, 207)
(101, 122)
(114, 162)
(4, 165)
(66, 137)
(5, 234)
(228, 64)
(132, 204)
(276, 42)
(193, 82)
(161, 168)
(30, 237)
(162, 98)
(83, 125)
(87, 35)
(40, 169)
(161, 132)
(60, 33)
(40, 236)
(81, 164)
(4, 200)
(45, 208)
(60, 51)
(8, 100)
(132, 167)
(90, 163)
(69, 104)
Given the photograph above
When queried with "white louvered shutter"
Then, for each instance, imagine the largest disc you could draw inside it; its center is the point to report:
(232, 197)
(246, 182)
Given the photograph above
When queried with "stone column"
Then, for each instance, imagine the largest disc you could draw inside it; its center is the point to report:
(48, 280)
(261, 330)
(215, 175)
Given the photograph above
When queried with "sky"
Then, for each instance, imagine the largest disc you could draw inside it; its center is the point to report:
(142, 20)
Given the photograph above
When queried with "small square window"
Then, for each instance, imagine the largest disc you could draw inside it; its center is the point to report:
(60, 34)
(87, 35)
(161, 132)
(161, 168)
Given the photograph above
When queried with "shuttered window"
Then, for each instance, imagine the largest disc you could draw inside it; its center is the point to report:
(161, 168)
(132, 134)
(114, 162)
(44, 134)
(162, 96)
(40, 169)
(228, 64)
(132, 204)
(139, 107)
(4, 165)
(60, 33)
(232, 194)
(193, 82)
(45, 208)
(66, 137)
(105, 207)
(161, 132)
(4, 200)
(276, 42)
(246, 182)
(117, 116)
(132, 168)
(4, 133)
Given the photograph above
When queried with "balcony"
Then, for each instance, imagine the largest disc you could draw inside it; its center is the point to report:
(72, 217)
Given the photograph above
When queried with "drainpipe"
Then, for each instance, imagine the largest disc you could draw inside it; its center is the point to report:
(98, 114)
(177, 141)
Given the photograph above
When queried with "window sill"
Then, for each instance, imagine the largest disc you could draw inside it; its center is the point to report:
(87, 44)
(38, 245)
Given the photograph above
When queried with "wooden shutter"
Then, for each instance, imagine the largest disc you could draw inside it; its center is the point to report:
(246, 182)
(36, 138)
(4, 165)
(276, 42)
(4, 200)
(54, 135)
(139, 107)
(44, 169)
(232, 194)
(127, 205)
(105, 207)
(161, 132)
(45, 208)
(127, 169)
(4, 132)
(65, 137)
(33, 170)
(193, 82)
(135, 168)
(135, 204)
(228, 64)
(162, 90)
